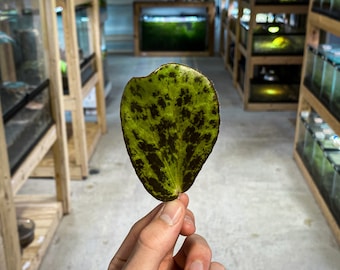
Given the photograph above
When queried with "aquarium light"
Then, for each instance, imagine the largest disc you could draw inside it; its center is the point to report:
(272, 92)
(273, 29)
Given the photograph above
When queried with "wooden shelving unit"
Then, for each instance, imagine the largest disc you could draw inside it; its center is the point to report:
(138, 6)
(228, 38)
(83, 135)
(240, 51)
(46, 211)
(308, 101)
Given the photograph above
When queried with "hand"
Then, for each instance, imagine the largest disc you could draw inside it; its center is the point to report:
(151, 241)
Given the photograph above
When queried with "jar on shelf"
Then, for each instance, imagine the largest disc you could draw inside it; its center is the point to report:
(334, 160)
(334, 106)
(317, 73)
(310, 60)
(332, 59)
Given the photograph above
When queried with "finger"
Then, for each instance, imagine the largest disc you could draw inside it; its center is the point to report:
(189, 226)
(216, 266)
(158, 239)
(128, 244)
(195, 252)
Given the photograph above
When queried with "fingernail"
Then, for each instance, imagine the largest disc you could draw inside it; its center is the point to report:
(196, 265)
(171, 213)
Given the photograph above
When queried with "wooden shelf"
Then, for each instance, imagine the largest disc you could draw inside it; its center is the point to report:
(85, 136)
(46, 166)
(318, 197)
(46, 213)
(35, 156)
(138, 6)
(308, 101)
(251, 60)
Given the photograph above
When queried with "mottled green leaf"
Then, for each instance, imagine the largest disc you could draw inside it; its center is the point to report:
(170, 121)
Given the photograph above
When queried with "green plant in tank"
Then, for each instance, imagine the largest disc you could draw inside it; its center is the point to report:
(170, 121)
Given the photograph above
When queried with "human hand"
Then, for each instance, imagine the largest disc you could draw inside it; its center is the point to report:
(151, 241)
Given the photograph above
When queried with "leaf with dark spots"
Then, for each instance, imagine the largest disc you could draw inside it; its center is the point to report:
(170, 121)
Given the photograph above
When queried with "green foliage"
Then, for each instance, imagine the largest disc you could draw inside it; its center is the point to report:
(170, 121)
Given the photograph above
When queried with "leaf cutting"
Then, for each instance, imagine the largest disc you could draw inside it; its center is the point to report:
(170, 121)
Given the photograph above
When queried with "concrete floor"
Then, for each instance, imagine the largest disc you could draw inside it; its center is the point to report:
(250, 199)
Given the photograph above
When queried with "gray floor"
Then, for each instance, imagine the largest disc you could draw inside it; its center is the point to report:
(250, 200)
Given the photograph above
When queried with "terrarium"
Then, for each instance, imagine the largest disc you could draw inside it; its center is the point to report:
(275, 83)
(173, 33)
(274, 39)
(86, 52)
(24, 87)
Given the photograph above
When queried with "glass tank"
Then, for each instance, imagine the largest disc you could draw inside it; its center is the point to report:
(86, 50)
(275, 83)
(24, 90)
(335, 101)
(329, 75)
(274, 39)
(174, 29)
(334, 159)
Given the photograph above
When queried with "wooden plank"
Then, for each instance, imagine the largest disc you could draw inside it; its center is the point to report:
(33, 159)
(276, 60)
(320, 109)
(99, 84)
(90, 84)
(325, 23)
(45, 168)
(8, 228)
(173, 53)
(271, 106)
(318, 197)
(46, 216)
(59, 148)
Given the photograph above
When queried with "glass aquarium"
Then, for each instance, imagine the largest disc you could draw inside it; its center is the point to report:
(334, 169)
(85, 50)
(335, 101)
(329, 75)
(275, 83)
(173, 29)
(24, 86)
(174, 33)
(274, 39)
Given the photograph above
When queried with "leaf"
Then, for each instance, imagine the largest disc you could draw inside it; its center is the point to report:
(170, 121)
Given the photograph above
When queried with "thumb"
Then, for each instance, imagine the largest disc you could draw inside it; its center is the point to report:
(158, 238)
